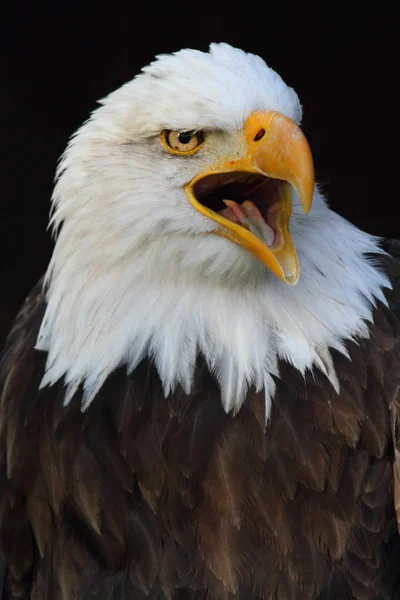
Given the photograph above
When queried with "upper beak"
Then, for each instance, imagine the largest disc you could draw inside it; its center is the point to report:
(275, 147)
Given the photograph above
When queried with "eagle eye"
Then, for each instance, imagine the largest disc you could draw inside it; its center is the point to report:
(182, 142)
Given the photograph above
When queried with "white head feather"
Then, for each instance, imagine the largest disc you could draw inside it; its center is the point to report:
(135, 271)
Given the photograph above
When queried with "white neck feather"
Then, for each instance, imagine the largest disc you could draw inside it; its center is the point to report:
(158, 302)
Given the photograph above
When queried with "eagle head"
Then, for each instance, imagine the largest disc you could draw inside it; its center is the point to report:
(172, 210)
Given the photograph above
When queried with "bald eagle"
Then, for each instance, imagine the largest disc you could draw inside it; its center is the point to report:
(197, 403)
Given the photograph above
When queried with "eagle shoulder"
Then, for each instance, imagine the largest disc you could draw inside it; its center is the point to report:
(20, 369)
(392, 264)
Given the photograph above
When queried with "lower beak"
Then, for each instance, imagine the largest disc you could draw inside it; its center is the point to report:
(276, 148)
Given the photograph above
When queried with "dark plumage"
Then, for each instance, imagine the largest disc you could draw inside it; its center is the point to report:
(146, 497)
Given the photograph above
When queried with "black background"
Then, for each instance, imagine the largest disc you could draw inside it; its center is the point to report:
(57, 59)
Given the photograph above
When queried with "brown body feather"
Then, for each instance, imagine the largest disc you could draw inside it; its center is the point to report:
(146, 497)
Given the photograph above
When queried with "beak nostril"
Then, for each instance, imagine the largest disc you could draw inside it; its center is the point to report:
(259, 135)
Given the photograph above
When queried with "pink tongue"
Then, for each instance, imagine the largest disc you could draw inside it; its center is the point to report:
(240, 213)
(247, 215)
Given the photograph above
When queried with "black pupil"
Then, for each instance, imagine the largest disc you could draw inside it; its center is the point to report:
(185, 137)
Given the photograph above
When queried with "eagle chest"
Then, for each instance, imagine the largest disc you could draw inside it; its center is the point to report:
(143, 482)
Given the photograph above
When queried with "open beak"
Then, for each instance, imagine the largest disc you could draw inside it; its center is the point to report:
(250, 197)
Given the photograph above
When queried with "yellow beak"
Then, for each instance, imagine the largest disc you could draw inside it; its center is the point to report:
(277, 149)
